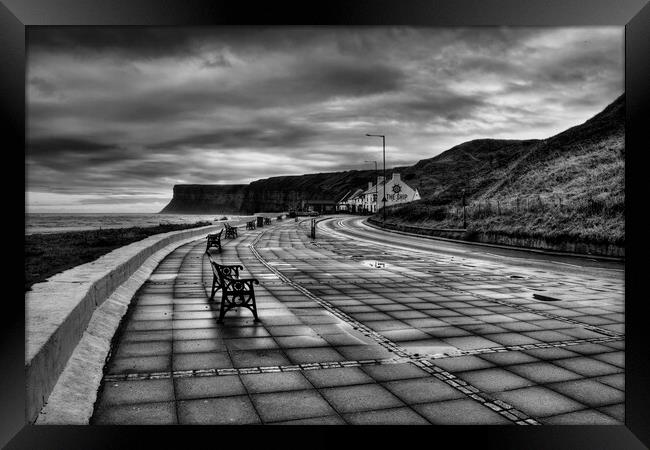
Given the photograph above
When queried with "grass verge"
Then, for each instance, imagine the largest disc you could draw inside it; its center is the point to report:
(49, 254)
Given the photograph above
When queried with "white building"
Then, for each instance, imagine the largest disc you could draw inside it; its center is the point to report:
(351, 202)
(369, 200)
(397, 191)
(370, 195)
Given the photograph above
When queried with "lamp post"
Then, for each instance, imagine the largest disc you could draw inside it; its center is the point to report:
(376, 196)
(383, 140)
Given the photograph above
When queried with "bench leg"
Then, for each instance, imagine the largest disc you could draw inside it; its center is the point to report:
(215, 288)
(251, 306)
(253, 309)
(222, 309)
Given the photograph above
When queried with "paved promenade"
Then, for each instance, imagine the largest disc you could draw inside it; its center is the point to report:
(355, 332)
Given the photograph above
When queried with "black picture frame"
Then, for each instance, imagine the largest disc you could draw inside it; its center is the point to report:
(16, 15)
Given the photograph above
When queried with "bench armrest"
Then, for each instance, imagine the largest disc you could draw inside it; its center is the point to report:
(230, 282)
(249, 280)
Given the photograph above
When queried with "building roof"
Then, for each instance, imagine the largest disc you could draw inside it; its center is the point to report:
(355, 194)
(345, 197)
(371, 189)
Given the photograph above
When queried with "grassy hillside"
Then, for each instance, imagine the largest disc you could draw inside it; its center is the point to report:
(570, 186)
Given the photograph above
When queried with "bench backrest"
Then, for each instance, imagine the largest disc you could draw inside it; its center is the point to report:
(223, 272)
(214, 235)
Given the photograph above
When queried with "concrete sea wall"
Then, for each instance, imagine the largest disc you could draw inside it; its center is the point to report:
(58, 311)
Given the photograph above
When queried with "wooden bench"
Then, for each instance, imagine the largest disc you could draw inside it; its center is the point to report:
(231, 232)
(267, 221)
(235, 292)
(250, 225)
(229, 270)
(214, 240)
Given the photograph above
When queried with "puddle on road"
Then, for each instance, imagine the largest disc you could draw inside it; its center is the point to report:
(267, 277)
(546, 298)
(431, 350)
(374, 264)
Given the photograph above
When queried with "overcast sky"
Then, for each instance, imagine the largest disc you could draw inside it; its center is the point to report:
(117, 116)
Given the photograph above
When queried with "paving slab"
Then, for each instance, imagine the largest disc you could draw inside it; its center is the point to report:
(208, 387)
(133, 392)
(282, 406)
(394, 416)
(275, 382)
(363, 397)
(460, 412)
(422, 390)
(160, 413)
(236, 410)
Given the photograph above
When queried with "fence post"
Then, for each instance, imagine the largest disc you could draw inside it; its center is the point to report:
(464, 211)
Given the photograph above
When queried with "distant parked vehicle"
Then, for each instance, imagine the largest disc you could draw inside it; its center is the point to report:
(314, 213)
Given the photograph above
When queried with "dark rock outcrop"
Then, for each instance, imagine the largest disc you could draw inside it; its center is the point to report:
(207, 199)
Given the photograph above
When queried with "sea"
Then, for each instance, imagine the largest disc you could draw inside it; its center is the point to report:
(60, 222)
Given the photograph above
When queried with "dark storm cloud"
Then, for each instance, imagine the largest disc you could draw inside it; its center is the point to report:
(171, 42)
(43, 86)
(443, 105)
(266, 135)
(60, 145)
(68, 153)
(136, 41)
(305, 84)
(122, 114)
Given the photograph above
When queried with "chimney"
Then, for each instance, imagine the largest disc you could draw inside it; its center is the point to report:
(369, 184)
(396, 177)
(380, 179)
